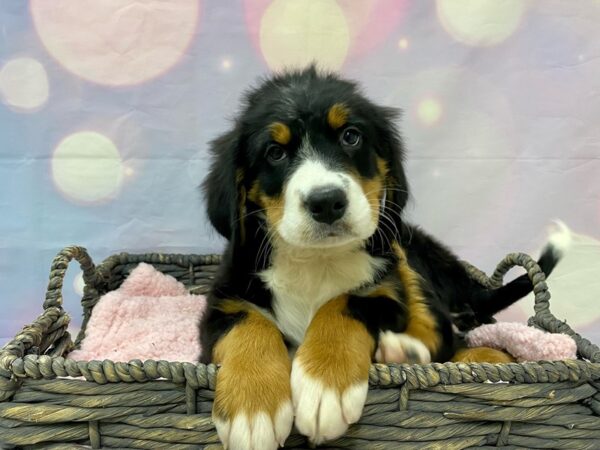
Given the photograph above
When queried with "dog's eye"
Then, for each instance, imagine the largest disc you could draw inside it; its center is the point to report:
(275, 153)
(351, 137)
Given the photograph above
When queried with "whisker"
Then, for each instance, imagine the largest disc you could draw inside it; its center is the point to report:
(384, 236)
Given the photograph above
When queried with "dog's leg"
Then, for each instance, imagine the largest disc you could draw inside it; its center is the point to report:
(481, 355)
(390, 322)
(252, 408)
(330, 372)
(420, 341)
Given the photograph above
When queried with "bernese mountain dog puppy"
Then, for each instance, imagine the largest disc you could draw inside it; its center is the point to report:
(321, 275)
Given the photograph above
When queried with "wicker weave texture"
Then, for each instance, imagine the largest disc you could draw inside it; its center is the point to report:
(161, 404)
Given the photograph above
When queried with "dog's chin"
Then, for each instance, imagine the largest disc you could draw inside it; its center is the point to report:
(319, 236)
(333, 241)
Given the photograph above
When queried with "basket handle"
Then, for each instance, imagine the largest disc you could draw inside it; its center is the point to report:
(537, 277)
(58, 269)
(535, 273)
(542, 318)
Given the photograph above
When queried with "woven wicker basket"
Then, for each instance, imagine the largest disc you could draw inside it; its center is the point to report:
(161, 404)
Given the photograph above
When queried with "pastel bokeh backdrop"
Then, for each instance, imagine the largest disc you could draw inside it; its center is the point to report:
(106, 108)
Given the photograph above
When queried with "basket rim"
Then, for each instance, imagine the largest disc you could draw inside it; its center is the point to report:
(203, 376)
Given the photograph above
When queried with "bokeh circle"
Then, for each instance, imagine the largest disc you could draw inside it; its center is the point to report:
(24, 83)
(87, 167)
(294, 33)
(480, 23)
(116, 42)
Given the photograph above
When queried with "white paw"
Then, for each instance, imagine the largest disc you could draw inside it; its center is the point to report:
(401, 348)
(322, 413)
(258, 432)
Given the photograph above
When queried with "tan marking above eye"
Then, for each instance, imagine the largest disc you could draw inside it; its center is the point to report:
(337, 115)
(280, 133)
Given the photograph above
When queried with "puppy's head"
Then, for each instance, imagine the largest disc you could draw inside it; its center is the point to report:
(313, 159)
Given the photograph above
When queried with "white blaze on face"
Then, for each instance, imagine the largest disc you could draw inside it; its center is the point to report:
(297, 227)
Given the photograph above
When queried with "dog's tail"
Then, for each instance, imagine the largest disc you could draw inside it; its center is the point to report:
(488, 302)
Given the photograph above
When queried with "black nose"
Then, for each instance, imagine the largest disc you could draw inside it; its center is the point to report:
(327, 204)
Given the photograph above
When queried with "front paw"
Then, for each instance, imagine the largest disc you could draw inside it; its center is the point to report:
(325, 408)
(397, 348)
(251, 411)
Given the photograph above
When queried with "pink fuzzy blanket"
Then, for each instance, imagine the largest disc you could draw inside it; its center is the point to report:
(152, 316)
(522, 342)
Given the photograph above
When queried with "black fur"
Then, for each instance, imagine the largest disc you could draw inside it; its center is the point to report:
(220, 186)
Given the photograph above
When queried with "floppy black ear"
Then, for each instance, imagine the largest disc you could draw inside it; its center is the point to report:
(221, 186)
(392, 151)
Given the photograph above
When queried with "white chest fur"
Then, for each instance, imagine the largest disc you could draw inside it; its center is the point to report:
(303, 280)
